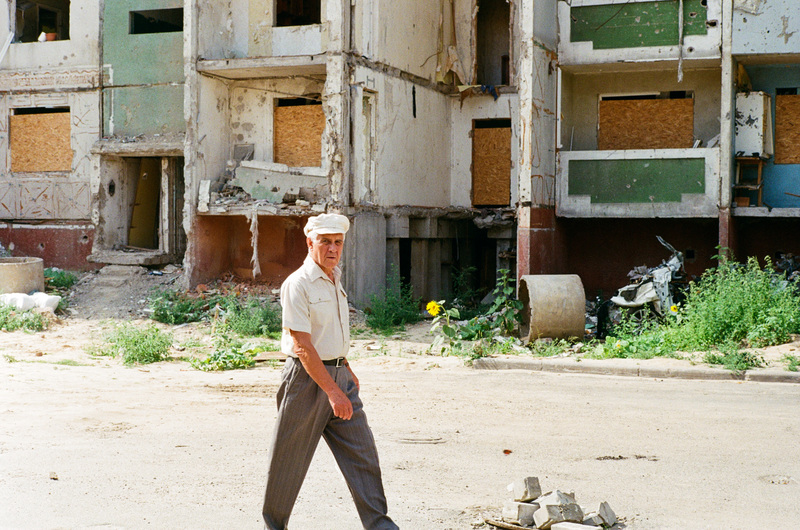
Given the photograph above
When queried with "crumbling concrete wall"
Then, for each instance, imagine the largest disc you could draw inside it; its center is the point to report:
(764, 27)
(412, 145)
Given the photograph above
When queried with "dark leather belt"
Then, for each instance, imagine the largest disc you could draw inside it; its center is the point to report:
(339, 361)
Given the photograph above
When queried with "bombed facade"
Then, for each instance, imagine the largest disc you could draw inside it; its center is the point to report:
(541, 136)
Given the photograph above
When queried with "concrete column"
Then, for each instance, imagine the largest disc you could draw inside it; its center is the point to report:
(365, 258)
(727, 236)
(539, 248)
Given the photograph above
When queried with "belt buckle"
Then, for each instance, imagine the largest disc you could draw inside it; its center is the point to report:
(339, 362)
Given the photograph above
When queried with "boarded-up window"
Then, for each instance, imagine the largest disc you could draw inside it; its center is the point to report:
(491, 163)
(787, 129)
(298, 135)
(645, 124)
(40, 141)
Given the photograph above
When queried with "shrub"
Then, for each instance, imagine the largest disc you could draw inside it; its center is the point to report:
(136, 345)
(396, 308)
(230, 353)
(59, 280)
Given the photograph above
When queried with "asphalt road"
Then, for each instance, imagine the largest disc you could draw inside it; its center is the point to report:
(170, 447)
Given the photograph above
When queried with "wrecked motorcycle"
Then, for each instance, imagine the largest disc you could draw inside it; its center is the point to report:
(652, 293)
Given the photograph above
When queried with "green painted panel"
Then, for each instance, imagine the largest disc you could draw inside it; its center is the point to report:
(637, 24)
(140, 59)
(638, 180)
(143, 110)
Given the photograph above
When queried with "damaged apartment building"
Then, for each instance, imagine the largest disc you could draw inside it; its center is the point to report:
(540, 136)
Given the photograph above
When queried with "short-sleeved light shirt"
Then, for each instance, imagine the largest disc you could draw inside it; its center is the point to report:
(313, 304)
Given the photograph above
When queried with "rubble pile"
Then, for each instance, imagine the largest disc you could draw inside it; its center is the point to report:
(553, 510)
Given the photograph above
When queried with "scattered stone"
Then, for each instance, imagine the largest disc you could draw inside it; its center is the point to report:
(520, 513)
(571, 526)
(549, 514)
(526, 489)
(607, 514)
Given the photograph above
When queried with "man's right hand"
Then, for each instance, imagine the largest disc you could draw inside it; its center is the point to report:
(341, 404)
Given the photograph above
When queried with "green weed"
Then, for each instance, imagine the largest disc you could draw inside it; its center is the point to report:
(395, 308)
(179, 307)
(792, 362)
(10, 358)
(230, 352)
(734, 359)
(59, 280)
(13, 320)
(135, 345)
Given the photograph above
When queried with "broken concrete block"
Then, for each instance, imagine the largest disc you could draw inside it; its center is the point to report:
(607, 514)
(571, 526)
(593, 519)
(526, 489)
(556, 507)
(204, 195)
(520, 513)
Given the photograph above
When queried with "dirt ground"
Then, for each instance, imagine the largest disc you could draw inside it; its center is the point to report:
(86, 442)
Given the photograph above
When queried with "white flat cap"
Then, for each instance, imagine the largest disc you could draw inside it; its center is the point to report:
(327, 223)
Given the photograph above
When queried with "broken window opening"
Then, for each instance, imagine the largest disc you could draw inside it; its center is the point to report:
(298, 124)
(297, 12)
(156, 21)
(493, 42)
(34, 19)
(491, 162)
(672, 94)
(40, 139)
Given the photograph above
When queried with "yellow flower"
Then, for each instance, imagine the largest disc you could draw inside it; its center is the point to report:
(433, 308)
(673, 309)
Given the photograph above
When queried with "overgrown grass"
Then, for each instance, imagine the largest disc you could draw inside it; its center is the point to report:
(395, 308)
(135, 345)
(792, 362)
(732, 306)
(252, 317)
(13, 320)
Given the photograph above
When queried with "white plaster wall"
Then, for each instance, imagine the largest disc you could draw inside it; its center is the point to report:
(222, 32)
(80, 51)
(213, 137)
(545, 22)
(252, 103)
(761, 26)
(413, 154)
(581, 96)
(478, 108)
(407, 35)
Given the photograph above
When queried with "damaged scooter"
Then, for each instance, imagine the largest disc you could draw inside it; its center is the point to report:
(652, 293)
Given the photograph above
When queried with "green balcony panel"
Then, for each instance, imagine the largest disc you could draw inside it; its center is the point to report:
(636, 181)
(131, 111)
(637, 24)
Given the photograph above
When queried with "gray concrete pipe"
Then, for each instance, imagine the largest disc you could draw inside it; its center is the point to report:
(554, 306)
(21, 275)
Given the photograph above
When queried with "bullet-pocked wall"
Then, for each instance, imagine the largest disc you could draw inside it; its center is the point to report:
(143, 96)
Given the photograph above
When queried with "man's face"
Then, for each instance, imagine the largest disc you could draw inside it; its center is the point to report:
(326, 249)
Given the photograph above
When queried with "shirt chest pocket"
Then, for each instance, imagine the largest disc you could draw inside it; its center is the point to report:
(322, 307)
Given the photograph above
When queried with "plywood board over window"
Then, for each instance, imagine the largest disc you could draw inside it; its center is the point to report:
(40, 142)
(645, 124)
(491, 166)
(298, 135)
(787, 129)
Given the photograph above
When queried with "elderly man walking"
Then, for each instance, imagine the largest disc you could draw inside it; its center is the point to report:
(318, 395)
